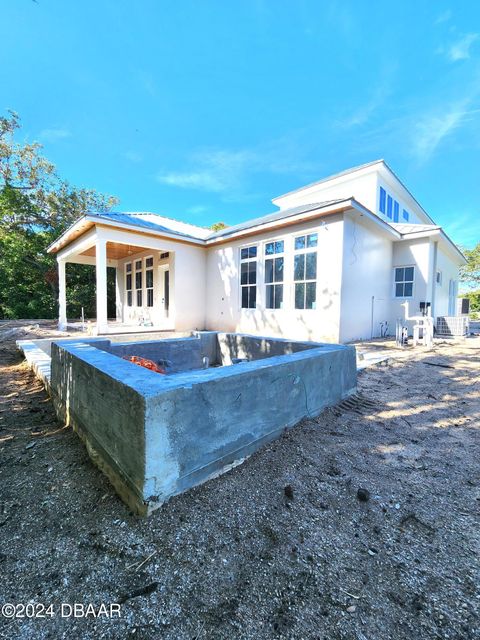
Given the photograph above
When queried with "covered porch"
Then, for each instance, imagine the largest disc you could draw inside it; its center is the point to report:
(145, 280)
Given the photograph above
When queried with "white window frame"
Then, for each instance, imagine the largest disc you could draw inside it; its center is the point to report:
(152, 288)
(273, 257)
(403, 266)
(306, 250)
(127, 291)
(139, 289)
(248, 284)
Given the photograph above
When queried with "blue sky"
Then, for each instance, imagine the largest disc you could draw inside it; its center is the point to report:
(206, 110)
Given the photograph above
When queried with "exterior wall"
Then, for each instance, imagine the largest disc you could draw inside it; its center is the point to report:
(406, 201)
(224, 311)
(448, 268)
(417, 253)
(362, 187)
(367, 281)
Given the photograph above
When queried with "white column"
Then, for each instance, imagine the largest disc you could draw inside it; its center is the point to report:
(101, 275)
(62, 295)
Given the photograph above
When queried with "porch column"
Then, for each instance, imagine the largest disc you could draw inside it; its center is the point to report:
(62, 296)
(101, 277)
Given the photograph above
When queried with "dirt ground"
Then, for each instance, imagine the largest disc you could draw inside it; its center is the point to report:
(237, 558)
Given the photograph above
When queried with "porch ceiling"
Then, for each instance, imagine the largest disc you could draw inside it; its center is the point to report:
(116, 251)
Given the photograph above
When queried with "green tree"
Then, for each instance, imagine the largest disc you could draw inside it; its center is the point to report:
(470, 273)
(218, 226)
(36, 206)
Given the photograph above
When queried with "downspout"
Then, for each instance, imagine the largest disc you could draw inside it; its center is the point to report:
(434, 277)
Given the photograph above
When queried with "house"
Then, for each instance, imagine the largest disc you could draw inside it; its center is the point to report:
(334, 263)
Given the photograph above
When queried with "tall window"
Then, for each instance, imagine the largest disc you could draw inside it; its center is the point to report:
(396, 211)
(149, 281)
(138, 282)
(305, 271)
(248, 277)
(389, 206)
(128, 283)
(274, 274)
(383, 198)
(404, 278)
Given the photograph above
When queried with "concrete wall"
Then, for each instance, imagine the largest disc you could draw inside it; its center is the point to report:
(367, 280)
(224, 312)
(155, 436)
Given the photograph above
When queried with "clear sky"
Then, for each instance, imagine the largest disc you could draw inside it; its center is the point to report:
(205, 110)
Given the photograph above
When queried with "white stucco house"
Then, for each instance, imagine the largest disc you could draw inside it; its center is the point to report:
(334, 263)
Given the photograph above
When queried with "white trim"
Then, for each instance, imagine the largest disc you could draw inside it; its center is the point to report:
(403, 266)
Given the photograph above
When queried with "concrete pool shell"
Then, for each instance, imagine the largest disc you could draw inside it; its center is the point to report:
(155, 435)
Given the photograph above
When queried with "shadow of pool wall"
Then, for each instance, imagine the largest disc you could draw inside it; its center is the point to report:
(156, 436)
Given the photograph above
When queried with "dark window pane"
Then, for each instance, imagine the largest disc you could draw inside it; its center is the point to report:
(278, 296)
(149, 262)
(138, 264)
(299, 267)
(399, 290)
(138, 280)
(408, 274)
(278, 275)
(300, 296)
(396, 209)
(149, 297)
(269, 291)
(129, 281)
(279, 246)
(269, 248)
(139, 298)
(252, 252)
(244, 254)
(244, 273)
(399, 275)
(300, 242)
(389, 206)
(406, 215)
(269, 270)
(252, 297)
(252, 272)
(408, 289)
(311, 295)
(244, 297)
(129, 298)
(128, 267)
(149, 278)
(311, 267)
(312, 240)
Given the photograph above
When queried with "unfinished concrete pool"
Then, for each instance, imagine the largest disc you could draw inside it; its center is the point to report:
(221, 398)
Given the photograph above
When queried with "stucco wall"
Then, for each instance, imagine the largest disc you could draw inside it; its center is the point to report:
(448, 267)
(367, 261)
(224, 311)
(416, 253)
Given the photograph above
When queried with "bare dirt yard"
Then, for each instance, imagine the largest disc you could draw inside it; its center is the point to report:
(242, 557)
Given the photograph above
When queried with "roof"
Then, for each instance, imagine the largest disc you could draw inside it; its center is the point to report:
(154, 222)
(406, 228)
(273, 217)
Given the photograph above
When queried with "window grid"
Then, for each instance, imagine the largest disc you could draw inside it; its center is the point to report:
(128, 283)
(305, 271)
(149, 280)
(404, 279)
(248, 277)
(274, 274)
(139, 282)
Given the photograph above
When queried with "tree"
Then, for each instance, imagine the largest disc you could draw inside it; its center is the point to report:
(470, 273)
(36, 206)
(218, 226)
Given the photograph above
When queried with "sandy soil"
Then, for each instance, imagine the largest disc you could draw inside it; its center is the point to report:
(237, 557)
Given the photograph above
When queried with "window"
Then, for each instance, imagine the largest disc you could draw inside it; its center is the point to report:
(248, 277)
(383, 197)
(305, 271)
(274, 274)
(438, 278)
(406, 215)
(138, 282)
(396, 211)
(149, 281)
(389, 206)
(404, 282)
(128, 283)
(164, 256)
